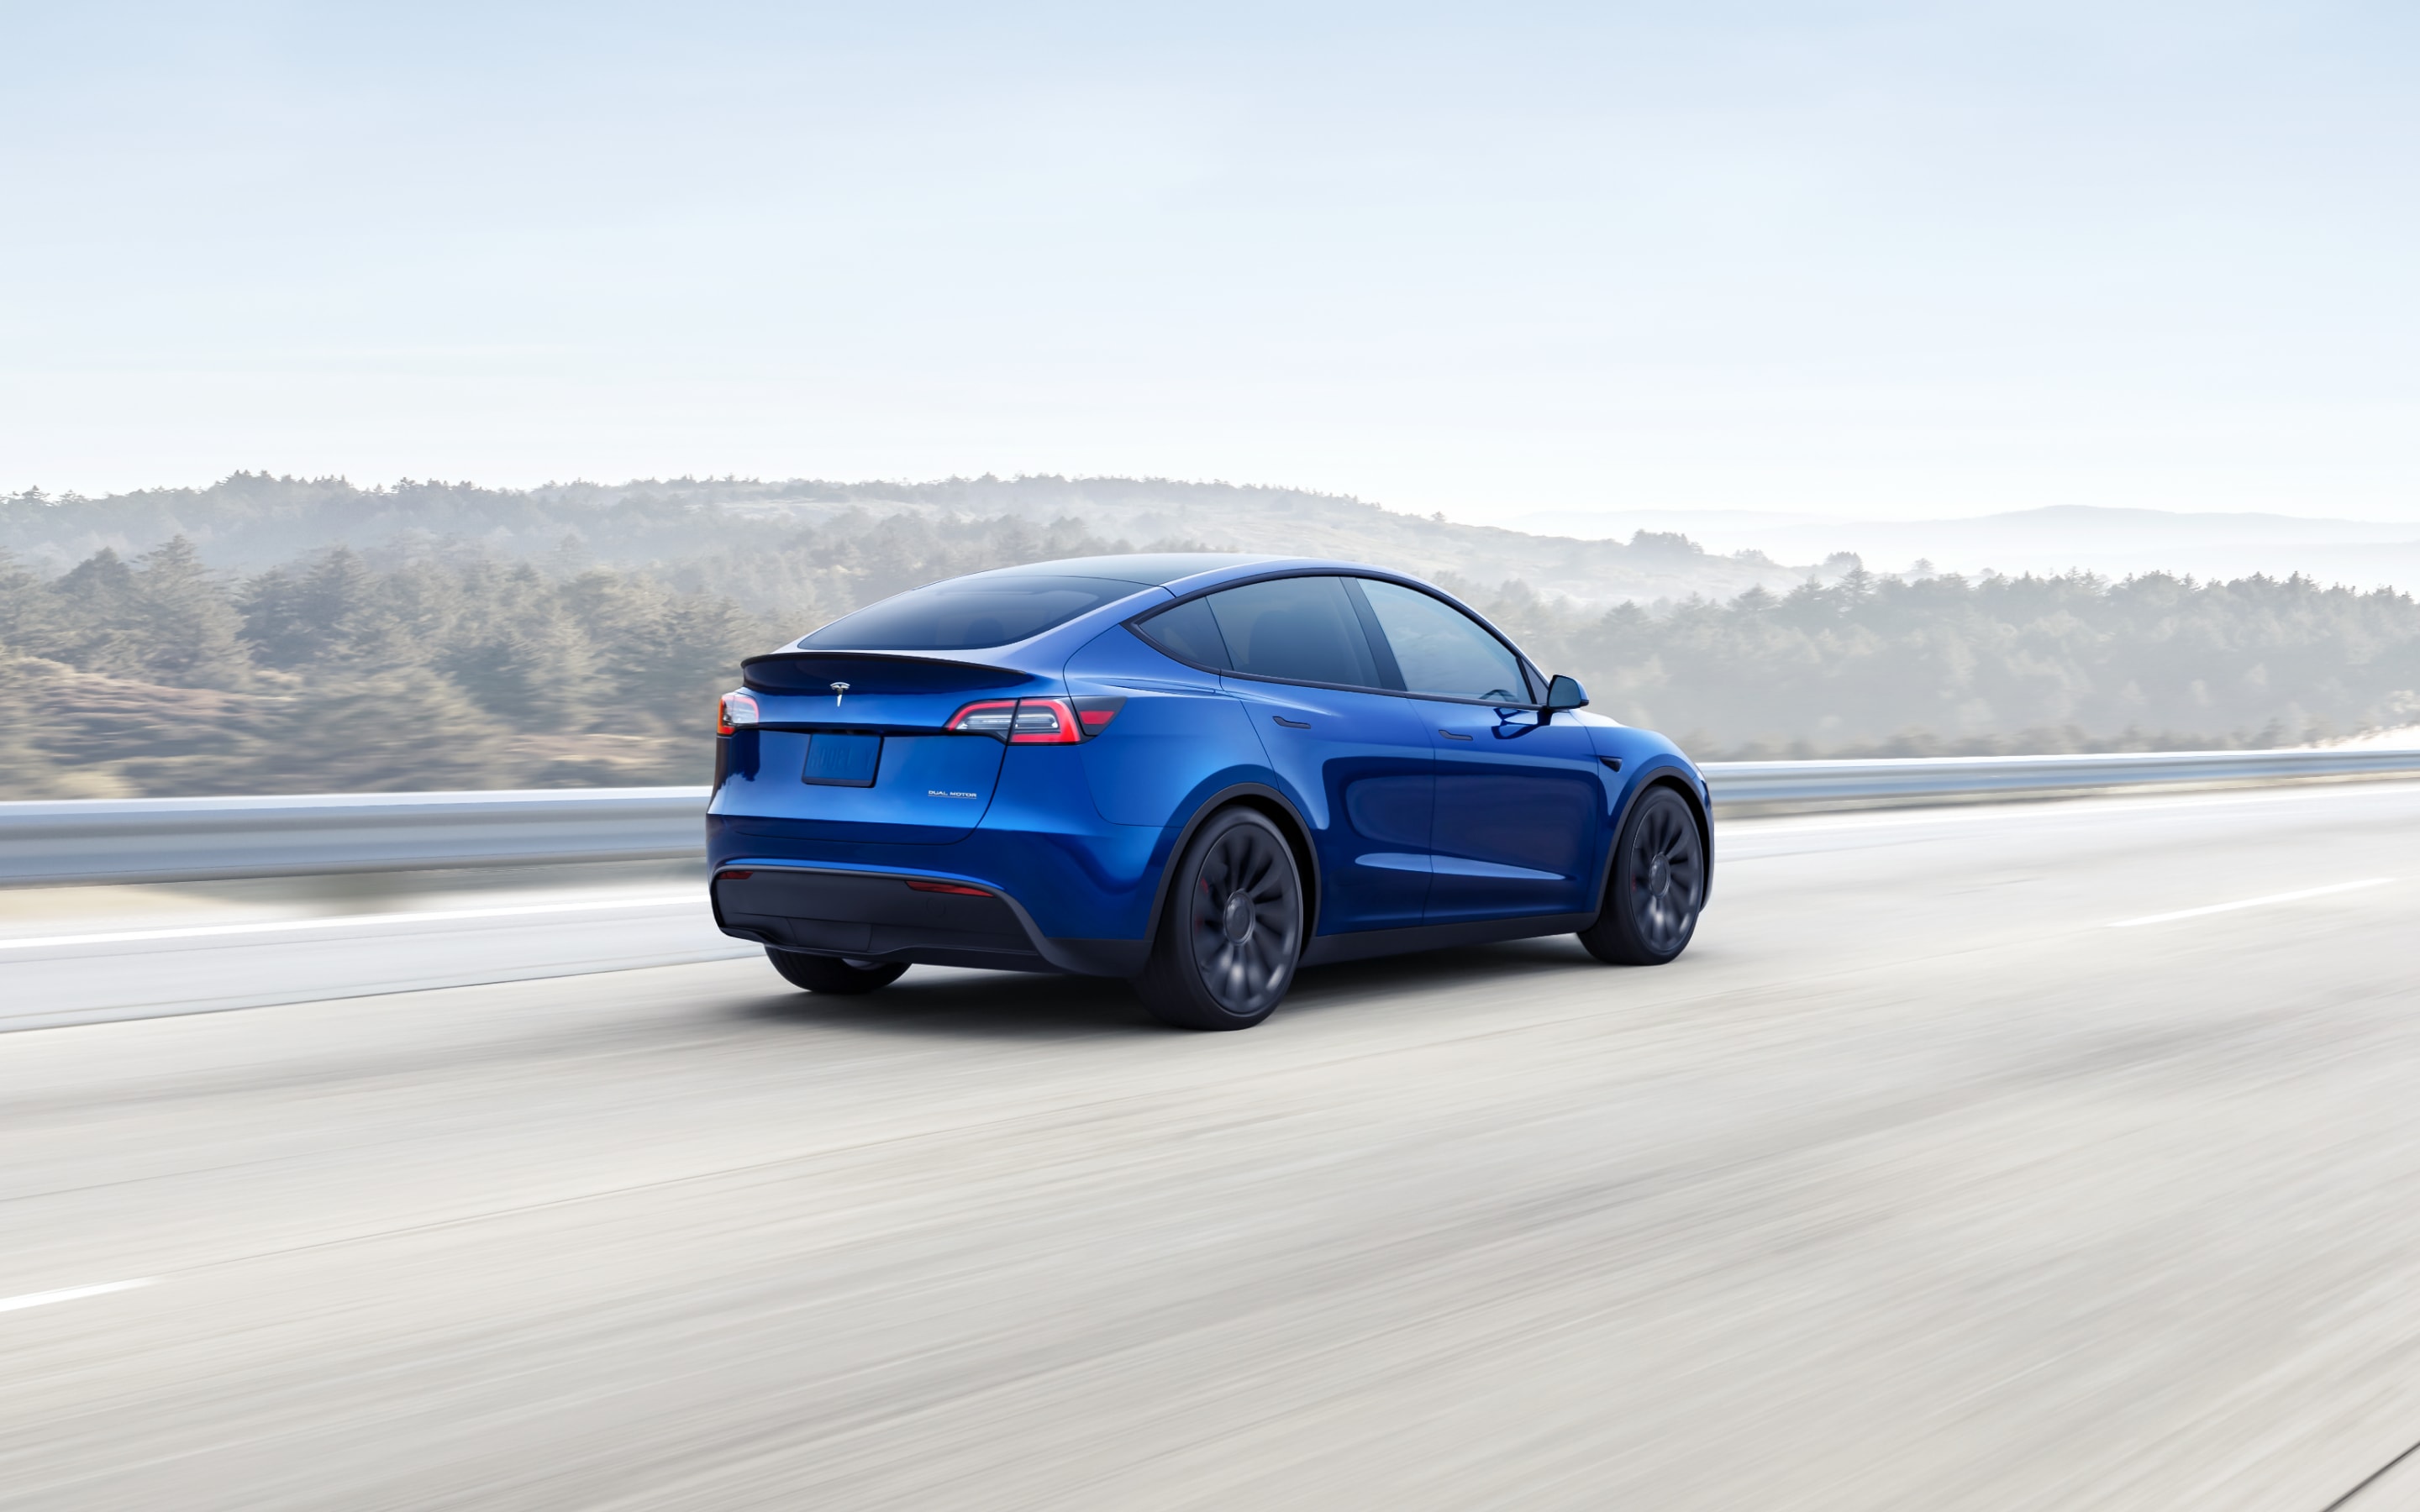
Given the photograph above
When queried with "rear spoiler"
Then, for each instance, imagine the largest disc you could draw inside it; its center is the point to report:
(815, 672)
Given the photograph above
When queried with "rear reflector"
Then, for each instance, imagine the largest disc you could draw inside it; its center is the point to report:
(958, 887)
(735, 876)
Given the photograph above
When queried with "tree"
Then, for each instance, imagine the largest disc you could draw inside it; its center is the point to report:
(191, 634)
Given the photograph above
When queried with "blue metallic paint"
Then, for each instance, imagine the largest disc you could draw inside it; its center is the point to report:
(1412, 836)
(1355, 755)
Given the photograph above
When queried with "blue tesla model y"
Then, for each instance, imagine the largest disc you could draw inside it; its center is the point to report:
(1197, 772)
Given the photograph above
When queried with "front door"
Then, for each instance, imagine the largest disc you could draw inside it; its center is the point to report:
(1518, 822)
(1519, 805)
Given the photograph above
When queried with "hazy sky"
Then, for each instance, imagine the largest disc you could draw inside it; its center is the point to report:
(1873, 259)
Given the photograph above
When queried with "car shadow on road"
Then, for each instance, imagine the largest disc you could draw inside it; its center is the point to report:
(954, 1003)
(1506, 967)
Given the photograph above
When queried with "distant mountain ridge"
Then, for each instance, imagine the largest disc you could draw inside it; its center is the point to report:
(252, 520)
(2114, 543)
(681, 528)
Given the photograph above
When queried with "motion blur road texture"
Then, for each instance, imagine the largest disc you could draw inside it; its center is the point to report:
(1914, 1184)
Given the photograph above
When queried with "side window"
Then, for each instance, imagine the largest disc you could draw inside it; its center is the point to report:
(1301, 628)
(1189, 633)
(1441, 649)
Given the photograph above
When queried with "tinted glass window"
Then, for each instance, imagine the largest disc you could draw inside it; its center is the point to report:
(1442, 650)
(1302, 628)
(968, 613)
(1189, 633)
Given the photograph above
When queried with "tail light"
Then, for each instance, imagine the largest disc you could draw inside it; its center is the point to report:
(1045, 722)
(736, 711)
(1036, 721)
(992, 716)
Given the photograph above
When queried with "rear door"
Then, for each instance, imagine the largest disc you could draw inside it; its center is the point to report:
(1520, 806)
(1359, 763)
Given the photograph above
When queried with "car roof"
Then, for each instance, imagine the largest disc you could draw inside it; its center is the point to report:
(1144, 569)
(1174, 574)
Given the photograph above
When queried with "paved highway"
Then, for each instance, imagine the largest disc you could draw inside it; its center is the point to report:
(1915, 1184)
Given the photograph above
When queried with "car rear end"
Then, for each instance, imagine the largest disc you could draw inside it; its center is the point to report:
(922, 805)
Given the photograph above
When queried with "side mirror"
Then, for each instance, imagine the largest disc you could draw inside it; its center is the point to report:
(1563, 693)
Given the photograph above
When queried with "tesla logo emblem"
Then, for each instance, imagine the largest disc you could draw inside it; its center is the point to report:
(839, 690)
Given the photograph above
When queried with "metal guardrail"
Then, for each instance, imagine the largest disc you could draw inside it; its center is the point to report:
(1741, 783)
(183, 840)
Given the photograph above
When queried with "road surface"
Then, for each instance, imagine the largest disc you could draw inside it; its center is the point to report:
(1974, 1158)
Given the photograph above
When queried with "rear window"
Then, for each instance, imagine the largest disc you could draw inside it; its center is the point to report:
(1189, 633)
(969, 613)
(1302, 629)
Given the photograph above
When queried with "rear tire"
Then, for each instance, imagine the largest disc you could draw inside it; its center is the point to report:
(1657, 887)
(830, 974)
(1232, 928)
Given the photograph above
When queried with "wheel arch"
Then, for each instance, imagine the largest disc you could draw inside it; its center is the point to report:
(1268, 801)
(1677, 778)
(1677, 782)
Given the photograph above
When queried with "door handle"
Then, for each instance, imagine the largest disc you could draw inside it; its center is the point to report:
(1453, 735)
(1291, 724)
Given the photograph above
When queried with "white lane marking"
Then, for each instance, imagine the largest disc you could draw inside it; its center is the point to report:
(443, 915)
(43, 1299)
(2254, 902)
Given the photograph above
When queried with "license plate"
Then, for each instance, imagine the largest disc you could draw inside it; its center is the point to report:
(842, 761)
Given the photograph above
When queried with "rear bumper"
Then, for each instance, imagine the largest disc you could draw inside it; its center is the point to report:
(869, 914)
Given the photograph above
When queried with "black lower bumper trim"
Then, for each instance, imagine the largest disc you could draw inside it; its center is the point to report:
(871, 917)
(1102, 958)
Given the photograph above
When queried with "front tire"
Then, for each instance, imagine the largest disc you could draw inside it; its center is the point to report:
(1232, 928)
(830, 974)
(1657, 887)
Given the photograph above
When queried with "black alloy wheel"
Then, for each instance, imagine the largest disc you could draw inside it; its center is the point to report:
(1657, 887)
(1227, 945)
(832, 974)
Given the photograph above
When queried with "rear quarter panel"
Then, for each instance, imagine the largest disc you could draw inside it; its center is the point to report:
(1178, 736)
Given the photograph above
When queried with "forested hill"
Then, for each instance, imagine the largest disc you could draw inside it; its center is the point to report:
(1993, 666)
(272, 635)
(732, 530)
(449, 668)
